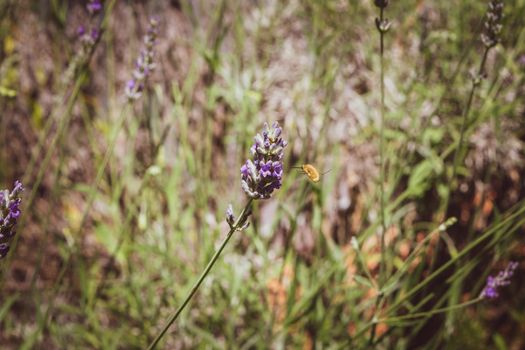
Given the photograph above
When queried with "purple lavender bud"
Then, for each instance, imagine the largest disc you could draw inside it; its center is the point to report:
(94, 34)
(81, 30)
(133, 89)
(94, 6)
(4, 249)
(145, 63)
(18, 189)
(230, 217)
(262, 175)
(9, 214)
(502, 279)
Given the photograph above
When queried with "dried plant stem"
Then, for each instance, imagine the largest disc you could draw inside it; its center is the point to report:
(238, 223)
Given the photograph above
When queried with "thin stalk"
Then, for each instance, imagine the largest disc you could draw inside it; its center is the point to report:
(459, 149)
(432, 312)
(382, 265)
(382, 153)
(374, 319)
(242, 218)
(466, 113)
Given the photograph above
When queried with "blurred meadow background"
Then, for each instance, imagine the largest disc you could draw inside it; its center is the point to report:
(125, 198)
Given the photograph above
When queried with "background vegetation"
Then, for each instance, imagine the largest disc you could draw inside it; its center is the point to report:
(104, 254)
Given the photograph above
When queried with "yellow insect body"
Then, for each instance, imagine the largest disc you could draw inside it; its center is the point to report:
(311, 172)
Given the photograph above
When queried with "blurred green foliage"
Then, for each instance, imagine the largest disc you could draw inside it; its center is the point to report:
(303, 275)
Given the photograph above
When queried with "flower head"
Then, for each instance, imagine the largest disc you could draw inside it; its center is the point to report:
(492, 25)
(263, 174)
(89, 33)
(94, 6)
(9, 214)
(502, 279)
(145, 63)
(381, 3)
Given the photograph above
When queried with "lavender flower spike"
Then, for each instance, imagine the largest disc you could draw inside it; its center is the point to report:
(9, 214)
(145, 63)
(502, 279)
(262, 175)
(492, 26)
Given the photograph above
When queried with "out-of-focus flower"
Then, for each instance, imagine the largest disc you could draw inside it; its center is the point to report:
(81, 30)
(381, 3)
(492, 25)
(263, 174)
(9, 214)
(94, 6)
(502, 279)
(145, 63)
(87, 35)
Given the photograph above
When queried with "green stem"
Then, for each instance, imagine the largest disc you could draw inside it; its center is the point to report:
(382, 155)
(459, 150)
(240, 221)
(430, 313)
(382, 265)
(464, 124)
(466, 113)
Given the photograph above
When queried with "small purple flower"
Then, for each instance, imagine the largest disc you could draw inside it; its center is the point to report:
(94, 6)
(262, 175)
(94, 34)
(502, 279)
(9, 214)
(81, 30)
(89, 33)
(145, 63)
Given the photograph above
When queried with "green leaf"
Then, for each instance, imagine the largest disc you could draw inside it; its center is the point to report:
(363, 281)
(419, 179)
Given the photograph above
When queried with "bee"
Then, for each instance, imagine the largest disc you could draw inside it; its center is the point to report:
(311, 172)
